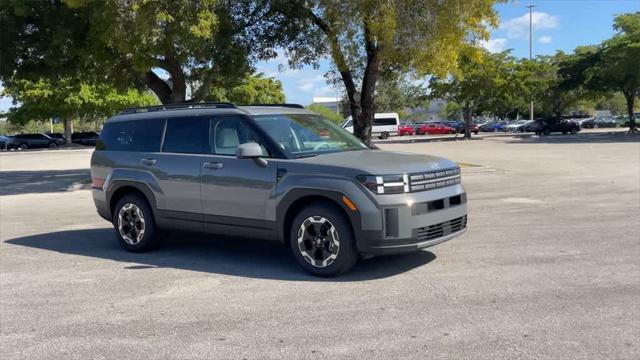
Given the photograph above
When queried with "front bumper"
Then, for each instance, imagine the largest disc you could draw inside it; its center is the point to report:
(415, 221)
(412, 246)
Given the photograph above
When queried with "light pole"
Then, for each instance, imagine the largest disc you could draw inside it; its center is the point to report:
(531, 52)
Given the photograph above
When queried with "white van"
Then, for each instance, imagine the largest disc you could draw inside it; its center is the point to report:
(384, 125)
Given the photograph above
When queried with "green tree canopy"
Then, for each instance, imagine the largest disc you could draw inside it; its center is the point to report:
(326, 113)
(613, 65)
(254, 89)
(164, 45)
(483, 80)
(44, 99)
(367, 38)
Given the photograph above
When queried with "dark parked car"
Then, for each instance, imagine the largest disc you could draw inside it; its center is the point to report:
(550, 125)
(26, 141)
(606, 123)
(5, 142)
(56, 135)
(494, 126)
(89, 138)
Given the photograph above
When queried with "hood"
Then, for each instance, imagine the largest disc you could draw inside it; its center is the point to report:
(377, 162)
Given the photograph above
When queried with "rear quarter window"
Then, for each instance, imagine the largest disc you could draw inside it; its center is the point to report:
(134, 135)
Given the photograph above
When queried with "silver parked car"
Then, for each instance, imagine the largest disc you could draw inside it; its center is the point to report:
(278, 173)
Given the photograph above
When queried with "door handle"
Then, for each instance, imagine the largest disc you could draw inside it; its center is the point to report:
(212, 165)
(148, 162)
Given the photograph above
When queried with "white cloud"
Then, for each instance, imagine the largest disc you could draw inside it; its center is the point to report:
(545, 39)
(519, 27)
(309, 83)
(325, 91)
(494, 45)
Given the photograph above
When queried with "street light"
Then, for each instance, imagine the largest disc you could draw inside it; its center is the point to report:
(531, 51)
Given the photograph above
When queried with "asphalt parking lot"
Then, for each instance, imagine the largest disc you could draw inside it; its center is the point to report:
(549, 269)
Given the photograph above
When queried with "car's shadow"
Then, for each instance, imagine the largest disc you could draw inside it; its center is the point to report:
(42, 181)
(604, 137)
(213, 254)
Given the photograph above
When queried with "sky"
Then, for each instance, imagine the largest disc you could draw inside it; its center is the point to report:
(557, 25)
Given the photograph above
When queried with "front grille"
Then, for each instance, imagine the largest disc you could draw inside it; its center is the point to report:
(433, 180)
(442, 229)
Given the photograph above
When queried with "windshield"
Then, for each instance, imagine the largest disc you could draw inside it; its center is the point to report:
(307, 135)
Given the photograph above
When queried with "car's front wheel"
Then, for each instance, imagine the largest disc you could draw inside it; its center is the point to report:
(384, 135)
(322, 241)
(134, 224)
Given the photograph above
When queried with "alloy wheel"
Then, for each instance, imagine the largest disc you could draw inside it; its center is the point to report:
(318, 241)
(131, 224)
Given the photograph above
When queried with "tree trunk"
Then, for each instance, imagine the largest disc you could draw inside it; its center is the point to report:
(630, 97)
(466, 113)
(67, 121)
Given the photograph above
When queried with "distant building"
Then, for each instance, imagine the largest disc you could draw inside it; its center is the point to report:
(332, 103)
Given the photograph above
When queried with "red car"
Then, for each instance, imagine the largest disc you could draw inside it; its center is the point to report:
(405, 129)
(434, 129)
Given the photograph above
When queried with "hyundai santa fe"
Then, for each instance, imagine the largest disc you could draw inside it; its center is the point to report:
(279, 173)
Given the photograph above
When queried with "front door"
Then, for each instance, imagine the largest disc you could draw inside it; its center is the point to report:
(237, 194)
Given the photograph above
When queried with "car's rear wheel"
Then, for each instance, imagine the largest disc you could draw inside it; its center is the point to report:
(134, 223)
(322, 241)
(384, 135)
(24, 146)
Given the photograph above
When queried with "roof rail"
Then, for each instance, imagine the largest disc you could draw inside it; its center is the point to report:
(295, 106)
(215, 105)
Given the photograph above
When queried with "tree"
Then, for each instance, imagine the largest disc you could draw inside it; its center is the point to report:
(451, 111)
(43, 100)
(398, 93)
(367, 38)
(482, 79)
(326, 113)
(254, 89)
(167, 46)
(613, 65)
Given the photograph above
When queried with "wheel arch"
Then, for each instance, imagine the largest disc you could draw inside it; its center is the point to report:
(297, 199)
(119, 188)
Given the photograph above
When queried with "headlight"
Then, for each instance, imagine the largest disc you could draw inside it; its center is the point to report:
(385, 184)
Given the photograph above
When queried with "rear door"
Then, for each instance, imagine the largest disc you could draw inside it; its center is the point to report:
(178, 169)
(237, 194)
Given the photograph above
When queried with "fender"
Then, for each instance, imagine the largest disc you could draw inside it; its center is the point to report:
(366, 218)
(141, 180)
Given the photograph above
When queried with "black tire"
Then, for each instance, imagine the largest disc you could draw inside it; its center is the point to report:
(546, 132)
(346, 254)
(574, 131)
(23, 147)
(149, 238)
(53, 146)
(384, 135)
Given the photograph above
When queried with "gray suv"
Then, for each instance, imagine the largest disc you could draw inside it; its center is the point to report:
(278, 173)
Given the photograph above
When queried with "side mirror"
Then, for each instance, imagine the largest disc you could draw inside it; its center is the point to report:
(251, 150)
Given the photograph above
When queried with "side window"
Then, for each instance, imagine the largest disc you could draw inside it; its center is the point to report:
(134, 135)
(230, 131)
(186, 135)
(384, 121)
